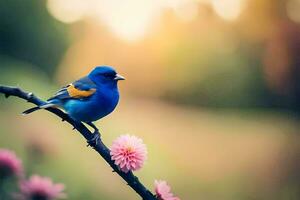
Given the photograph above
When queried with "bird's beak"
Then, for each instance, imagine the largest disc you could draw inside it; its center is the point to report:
(118, 77)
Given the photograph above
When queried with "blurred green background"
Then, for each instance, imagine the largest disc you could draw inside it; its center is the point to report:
(212, 88)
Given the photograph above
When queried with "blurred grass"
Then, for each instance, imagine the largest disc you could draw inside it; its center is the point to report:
(204, 154)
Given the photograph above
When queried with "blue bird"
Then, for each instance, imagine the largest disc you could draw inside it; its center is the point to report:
(89, 98)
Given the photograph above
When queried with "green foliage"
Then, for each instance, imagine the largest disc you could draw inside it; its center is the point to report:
(29, 33)
(208, 75)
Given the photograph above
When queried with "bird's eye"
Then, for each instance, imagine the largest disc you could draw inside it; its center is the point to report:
(109, 75)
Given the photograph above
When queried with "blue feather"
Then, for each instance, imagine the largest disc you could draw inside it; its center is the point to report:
(105, 97)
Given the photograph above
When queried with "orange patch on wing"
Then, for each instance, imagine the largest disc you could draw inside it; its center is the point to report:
(76, 93)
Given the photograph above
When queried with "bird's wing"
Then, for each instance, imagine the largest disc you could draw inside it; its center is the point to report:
(80, 89)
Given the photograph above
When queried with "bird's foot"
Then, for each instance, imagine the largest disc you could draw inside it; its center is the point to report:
(95, 139)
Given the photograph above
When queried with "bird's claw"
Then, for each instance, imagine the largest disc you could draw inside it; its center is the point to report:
(95, 139)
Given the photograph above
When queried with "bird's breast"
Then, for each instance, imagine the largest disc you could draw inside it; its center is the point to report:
(106, 101)
(98, 106)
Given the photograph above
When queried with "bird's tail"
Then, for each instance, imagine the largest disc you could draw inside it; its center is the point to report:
(30, 110)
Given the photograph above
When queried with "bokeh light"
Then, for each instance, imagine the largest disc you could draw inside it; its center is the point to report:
(67, 11)
(128, 19)
(187, 10)
(293, 10)
(229, 9)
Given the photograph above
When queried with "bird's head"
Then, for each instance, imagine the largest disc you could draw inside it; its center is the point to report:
(105, 75)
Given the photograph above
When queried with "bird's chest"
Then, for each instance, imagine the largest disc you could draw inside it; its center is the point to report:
(94, 108)
(105, 101)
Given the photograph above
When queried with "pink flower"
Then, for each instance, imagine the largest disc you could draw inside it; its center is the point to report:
(128, 152)
(163, 191)
(41, 188)
(10, 164)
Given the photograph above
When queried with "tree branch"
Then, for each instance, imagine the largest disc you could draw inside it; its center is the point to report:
(99, 146)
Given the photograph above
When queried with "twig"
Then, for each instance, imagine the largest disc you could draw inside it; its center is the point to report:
(99, 146)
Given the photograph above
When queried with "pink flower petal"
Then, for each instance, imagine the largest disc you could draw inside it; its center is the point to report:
(10, 164)
(128, 152)
(42, 187)
(163, 191)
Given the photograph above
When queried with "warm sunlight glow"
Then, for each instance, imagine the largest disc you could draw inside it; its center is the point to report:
(228, 9)
(187, 11)
(293, 10)
(128, 19)
(67, 11)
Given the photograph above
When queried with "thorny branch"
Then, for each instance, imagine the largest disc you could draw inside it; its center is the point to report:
(98, 145)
